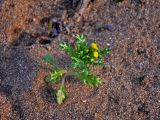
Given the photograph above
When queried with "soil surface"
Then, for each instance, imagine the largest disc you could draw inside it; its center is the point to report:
(131, 80)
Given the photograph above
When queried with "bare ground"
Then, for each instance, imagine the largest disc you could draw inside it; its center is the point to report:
(131, 80)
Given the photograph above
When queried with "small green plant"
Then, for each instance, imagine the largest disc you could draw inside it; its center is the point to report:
(83, 58)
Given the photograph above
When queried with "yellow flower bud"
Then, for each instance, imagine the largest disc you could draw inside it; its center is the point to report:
(94, 46)
(95, 54)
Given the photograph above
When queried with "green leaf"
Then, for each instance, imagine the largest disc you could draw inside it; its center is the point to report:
(80, 38)
(81, 43)
(92, 80)
(105, 51)
(49, 59)
(61, 95)
(48, 78)
(85, 71)
(77, 63)
(98, 62)
(67, 48)
(54, 76)
(88, 79)
(64, 46)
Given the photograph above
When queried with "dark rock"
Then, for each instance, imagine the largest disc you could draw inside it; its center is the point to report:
(44, 41)
(55, 30)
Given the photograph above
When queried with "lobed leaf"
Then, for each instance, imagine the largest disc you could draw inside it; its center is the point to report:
(54, 76)
(80, 38)
(67, 48)
(61, 95)
(88, 79)
(77, 63)
(81, 43)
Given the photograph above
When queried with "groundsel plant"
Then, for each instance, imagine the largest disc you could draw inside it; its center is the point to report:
(83, 58)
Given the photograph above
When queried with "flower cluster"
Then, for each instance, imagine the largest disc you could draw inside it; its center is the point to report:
(95, 48)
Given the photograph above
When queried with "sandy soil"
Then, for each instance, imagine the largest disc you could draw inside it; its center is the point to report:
(131, 80)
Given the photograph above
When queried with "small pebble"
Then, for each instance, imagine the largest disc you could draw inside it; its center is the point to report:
(108, 44)
(84, 101)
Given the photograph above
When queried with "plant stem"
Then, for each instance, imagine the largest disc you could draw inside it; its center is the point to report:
(63, 79)
(66, 74)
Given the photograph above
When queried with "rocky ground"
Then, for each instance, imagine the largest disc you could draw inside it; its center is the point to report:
(131, 80)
